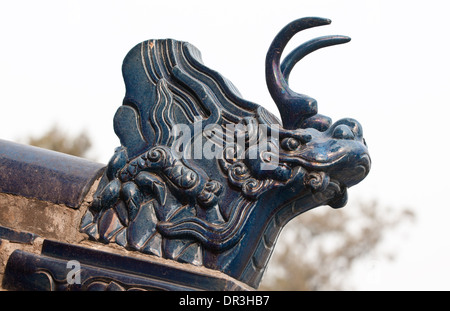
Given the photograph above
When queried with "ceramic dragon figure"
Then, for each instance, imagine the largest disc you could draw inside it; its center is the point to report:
(205, 177)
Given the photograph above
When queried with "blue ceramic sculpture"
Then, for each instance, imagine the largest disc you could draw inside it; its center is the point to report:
(205, 177)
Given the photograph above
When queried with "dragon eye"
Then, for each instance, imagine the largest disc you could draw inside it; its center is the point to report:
(290, 143)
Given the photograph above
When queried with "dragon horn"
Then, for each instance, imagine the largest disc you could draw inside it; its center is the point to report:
(293, 107)
(306, 48)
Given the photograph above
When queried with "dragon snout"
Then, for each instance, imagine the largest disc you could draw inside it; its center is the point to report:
(365, 163)
(347, 129)
(341, 151)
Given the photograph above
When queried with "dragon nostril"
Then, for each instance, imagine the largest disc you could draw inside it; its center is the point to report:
(342, 131)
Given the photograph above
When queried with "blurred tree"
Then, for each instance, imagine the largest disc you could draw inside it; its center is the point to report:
(57, 140)
(317, 250)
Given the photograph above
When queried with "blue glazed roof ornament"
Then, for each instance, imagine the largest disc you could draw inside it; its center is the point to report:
(206, 177)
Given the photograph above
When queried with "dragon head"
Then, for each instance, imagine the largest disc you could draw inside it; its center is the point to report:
(337, 152)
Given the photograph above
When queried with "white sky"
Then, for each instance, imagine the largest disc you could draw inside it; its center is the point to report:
(60, 61)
